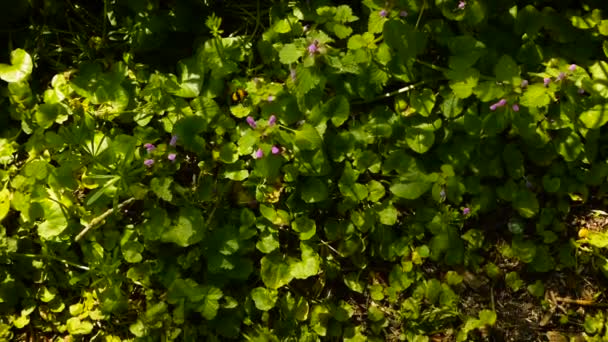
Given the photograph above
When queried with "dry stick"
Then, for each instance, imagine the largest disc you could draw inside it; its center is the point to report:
(96, 221)
(582, 302)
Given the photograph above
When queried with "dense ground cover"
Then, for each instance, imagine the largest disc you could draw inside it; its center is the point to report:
(303, 170)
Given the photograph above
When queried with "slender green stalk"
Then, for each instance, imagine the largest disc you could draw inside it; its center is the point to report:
(52, 257)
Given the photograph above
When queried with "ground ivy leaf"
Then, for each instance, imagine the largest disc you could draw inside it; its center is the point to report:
(307, 138)
(536, 95)
(507, 70)
(309, 265)
(388, 215)
(20, 68)
(525, 203)
(55, 221)
(264, 298)
(338, 109)
(161, 187)
(131, 251)
(5, 203)
(376, 191)
(290, 53)
(77, 327)
(419, 140)
(305, 227)
(314, 190)
(274, 271)
(267, 242)
(423, 102)
(595, 117)
(188, 230)
(411, 190)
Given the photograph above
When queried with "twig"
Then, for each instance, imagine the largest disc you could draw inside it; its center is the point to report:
(582, 302)
(43, 256)
(96, 221)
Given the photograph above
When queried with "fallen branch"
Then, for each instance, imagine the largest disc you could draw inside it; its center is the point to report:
(99, 219)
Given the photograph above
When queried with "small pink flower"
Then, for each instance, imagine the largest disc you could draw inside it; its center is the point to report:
(561, 76)
(572, 67)
(462, 5)
(383, 13)
(515, 107)
(546, 81)
(524, 83)
(171, 156)
(173, 141)
(272, 120)
(501, 103)
(313, 48)
(403, 14)
(466, 211)
(270, 98)
(493, 107)
(149, 147)
(259, 153)
(251, 121)
(276, 150)
(148, 162)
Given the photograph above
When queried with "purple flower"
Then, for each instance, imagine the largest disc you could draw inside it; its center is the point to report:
(272, 120)
(524, 83)
(258, 154)
(572, 67)
(466, 211)
(383, 13)
(171, 156)
(313, 48)
(403, 14)
(515, 107)
(173, 141)
(581, 91)
(292, 74)
(251, 122)
(276, 150)
(149, 147)
(546, 81)
(561, 76)
(270, 98)
(501, 103)
(148, 162)
(462, 5)
(493, 107)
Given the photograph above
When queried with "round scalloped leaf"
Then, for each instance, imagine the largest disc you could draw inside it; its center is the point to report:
(77, 327)
(20, 68)
(264, 298)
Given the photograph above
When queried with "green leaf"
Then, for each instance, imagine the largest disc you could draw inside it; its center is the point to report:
(55, 220)
(161, 187)
(47, 114)
(568, 144)
(189, 228)
(268, 241)
(598, 239)
(228, 153)
(274, 271)
(525, 250)
(535, 96)
(191, 78)
(5, 203)
(376, 191)
(463, 81)
(307, 138)
(314, 190)
(525, 202)
(466, 50)
(305, 227)
(20, 68)
(338, 109)
(77, 327)
(507, 70)
(290, 53)
(131, 251)
(411, 190)
(423, 102)
(264, 298)
(418, 139)
(595, 117)
(388, 215)
(309, 265)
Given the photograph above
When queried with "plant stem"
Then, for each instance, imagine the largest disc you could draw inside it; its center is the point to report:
(97, 221)
(52, 257)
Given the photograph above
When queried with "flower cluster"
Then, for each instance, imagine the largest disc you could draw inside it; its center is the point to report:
(498, 104)
(272, 120)
(314, 47)
(150, 148)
